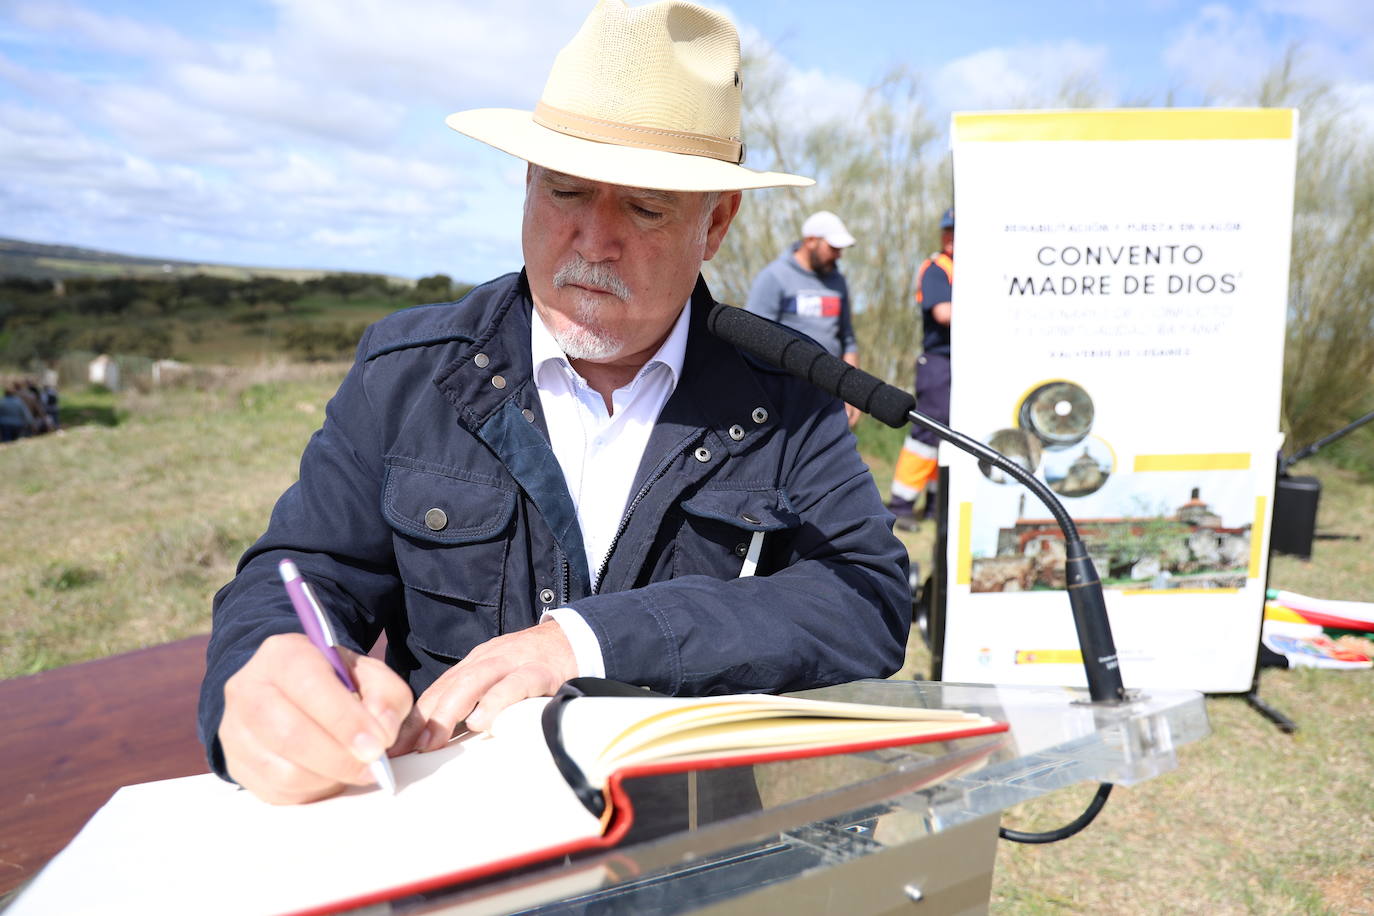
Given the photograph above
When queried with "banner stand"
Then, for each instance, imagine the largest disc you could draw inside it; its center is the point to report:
(1125, 345)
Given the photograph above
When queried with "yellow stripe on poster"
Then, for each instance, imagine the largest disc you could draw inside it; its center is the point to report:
(1180, 591)
(1126, 124)
(963, 573)
(1049, 657)
(1222, 461)
(1257, 536)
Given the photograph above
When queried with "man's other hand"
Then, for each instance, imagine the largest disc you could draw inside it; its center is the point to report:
(529, 663)
(292, 732)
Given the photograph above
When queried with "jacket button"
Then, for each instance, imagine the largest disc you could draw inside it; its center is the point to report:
(498, 381)
(546, 596)
(436, 519)
(527, 414)
(737, 432)
(760, 415)
(481, 359)
(702, 454)
(741, 549)
(749, 518)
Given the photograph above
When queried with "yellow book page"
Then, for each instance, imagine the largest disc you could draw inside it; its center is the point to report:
(601, 733)
(714, 740)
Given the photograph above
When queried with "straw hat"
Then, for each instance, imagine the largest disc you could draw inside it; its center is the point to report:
(646, 97)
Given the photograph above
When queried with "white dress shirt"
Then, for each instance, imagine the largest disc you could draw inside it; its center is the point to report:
(600, 451)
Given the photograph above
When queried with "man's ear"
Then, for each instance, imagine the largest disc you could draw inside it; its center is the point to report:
(721, 218)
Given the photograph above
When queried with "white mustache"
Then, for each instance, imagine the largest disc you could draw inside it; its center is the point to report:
(581, 272)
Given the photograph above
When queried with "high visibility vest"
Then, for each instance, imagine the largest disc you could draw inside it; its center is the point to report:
(945, 263)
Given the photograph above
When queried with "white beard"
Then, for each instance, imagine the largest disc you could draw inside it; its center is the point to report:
(586, 339)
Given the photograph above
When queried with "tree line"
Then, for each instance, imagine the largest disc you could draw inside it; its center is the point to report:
(40, 319)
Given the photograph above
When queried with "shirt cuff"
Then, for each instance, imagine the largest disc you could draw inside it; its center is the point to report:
(586, 647)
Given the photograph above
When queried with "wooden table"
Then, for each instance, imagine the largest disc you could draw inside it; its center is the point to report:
(71, 736)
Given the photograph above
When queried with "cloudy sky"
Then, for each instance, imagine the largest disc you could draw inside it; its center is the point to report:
(309, 133)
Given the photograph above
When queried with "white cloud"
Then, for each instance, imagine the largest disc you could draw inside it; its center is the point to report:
(432, 51)
(45, 140)
(1224, 53)
(297, 145)
(50, 87)
(156, 123)
(263, 93)
(1030, 75)
(118, 34)
(358, 237)
(804, 97)
(1221, 52)
(1351, 17)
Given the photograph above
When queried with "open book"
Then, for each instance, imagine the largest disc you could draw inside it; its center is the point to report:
(484, 804)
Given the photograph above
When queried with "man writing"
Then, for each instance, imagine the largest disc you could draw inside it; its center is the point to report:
(804, 289)
(564, 474)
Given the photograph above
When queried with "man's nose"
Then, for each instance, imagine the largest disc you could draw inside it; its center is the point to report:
(600, 231)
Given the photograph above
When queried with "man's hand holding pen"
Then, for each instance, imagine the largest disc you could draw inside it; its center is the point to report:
(293, 733)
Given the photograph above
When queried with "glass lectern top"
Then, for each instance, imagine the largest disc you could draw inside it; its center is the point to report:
(711, 835)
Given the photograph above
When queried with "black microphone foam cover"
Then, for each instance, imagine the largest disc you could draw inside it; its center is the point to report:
(809, 361)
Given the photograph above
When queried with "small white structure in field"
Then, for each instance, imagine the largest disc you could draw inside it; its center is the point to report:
(104, 371)
(168, 370)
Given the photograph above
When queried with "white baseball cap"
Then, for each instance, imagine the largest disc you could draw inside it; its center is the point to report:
(826, 225)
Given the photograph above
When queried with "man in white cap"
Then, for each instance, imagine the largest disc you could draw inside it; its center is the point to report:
(564, 473)
(804, 289)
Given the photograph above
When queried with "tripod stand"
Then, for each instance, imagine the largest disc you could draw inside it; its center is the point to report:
(1292, 528)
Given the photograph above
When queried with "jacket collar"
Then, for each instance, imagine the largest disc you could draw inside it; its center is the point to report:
(495, 368)
(718, 392)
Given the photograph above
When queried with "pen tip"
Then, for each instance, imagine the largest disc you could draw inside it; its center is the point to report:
(381, 771)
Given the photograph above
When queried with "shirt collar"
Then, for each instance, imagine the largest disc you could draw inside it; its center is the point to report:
(545, 350)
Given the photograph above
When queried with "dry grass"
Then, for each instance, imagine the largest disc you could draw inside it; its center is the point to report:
(1252, 821)
(115, 538)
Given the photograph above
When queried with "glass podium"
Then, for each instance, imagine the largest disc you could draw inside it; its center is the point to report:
(910, 829)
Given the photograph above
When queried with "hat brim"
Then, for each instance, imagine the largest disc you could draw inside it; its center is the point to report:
(513, 131)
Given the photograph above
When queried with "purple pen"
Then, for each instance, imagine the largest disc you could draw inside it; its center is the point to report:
(321, 635)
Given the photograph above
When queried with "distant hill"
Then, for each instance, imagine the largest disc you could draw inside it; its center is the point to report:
(39, 261)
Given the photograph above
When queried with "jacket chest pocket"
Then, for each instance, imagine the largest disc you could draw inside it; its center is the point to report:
(720, 525)
(452, 533)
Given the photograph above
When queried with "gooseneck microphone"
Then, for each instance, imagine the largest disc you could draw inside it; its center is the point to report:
(807, 360)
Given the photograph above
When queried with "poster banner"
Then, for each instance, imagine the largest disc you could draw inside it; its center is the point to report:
(1119, 316)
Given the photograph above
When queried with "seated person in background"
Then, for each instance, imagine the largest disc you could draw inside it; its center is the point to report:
(15, 419)
(564, 474)
(26, 391)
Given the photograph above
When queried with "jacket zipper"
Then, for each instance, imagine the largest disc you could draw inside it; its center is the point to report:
(629, 510)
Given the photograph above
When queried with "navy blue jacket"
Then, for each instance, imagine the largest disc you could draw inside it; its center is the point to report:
(440, 411)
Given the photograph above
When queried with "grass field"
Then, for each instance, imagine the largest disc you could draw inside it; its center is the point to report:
(118, 531)
(116, 536)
